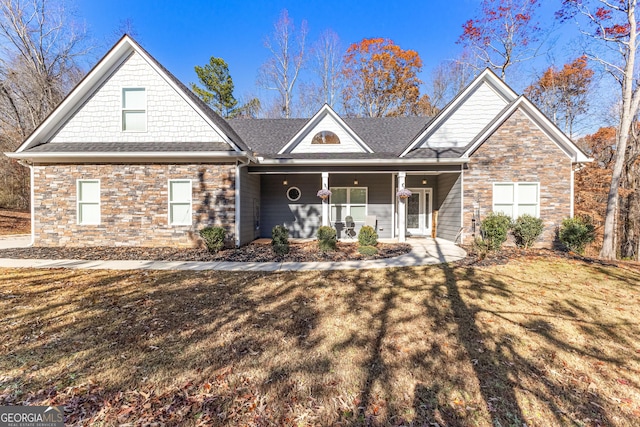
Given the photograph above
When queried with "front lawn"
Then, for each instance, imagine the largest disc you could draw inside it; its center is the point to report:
(539, 340)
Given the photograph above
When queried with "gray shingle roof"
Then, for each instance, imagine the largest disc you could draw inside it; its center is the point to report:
(386, 136)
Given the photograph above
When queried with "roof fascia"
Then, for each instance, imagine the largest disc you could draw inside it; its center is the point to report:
(113, 59)
(155, 65)
(107, 157)
(100, 72)
(486, 76)
(313, 121)
(335, 162)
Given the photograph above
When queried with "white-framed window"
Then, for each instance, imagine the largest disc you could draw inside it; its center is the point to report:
(134, 109)
(180, 202)
(348, 201)
(517, 198)
(88, 197)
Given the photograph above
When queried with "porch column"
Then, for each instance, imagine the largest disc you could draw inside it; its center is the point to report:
(325, 202)
(402, 210)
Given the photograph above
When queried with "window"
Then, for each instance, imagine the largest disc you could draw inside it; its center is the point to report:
(293, 194)
(325, 137)
(134, 110)
(516, 198)
(348, 201)
(88, 195)
(179, 202)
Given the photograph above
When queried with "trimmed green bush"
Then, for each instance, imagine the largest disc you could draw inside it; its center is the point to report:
(576, 233)
(327, 238)
(280, 240)
(213, 237)
(368, 250)
(526, 230)
(494, 229)
(367, 236)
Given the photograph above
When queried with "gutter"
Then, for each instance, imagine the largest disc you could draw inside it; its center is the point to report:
(104, 157)
(238, 205)
(334, 162)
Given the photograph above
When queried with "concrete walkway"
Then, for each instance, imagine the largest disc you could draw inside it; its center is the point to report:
(425, 251)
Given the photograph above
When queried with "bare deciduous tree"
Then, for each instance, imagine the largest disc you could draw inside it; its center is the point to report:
(449, 78)
(280, 73)
(613, 25)
(40, 49)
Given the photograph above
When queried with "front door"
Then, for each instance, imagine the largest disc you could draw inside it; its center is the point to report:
(419, 212)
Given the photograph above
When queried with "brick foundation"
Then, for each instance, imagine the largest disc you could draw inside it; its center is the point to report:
(520, 152)
(134, 204)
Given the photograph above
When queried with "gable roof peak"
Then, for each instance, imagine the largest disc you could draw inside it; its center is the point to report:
(324, 111)
(117, 55)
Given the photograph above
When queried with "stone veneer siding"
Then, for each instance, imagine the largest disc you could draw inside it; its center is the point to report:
(518, 151)
(134, 204)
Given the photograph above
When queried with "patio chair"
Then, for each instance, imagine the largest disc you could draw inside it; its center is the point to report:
(349, 227)
(371, 221)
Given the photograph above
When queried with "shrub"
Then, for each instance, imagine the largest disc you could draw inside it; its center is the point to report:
(280, 240)
(368, 250)
(576, 233)
(327, 238)
(481, 248)
(213, 237)
(526, 230)
(367, 236)
(494, 229)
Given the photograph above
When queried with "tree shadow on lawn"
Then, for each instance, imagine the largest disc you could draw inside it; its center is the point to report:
(389, 347)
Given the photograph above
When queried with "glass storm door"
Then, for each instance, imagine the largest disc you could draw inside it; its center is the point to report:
(419, 212)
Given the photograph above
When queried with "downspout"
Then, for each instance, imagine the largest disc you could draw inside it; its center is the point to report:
(571, 208)
(238, 215)
(32, 200)
(461, 204)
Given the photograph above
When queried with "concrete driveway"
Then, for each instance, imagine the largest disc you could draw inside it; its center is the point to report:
(15, 241)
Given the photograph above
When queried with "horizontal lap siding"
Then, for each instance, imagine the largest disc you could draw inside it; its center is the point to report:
(249, 206)
(448, 201)
(134, 204)
(380, 197)
(302, 217)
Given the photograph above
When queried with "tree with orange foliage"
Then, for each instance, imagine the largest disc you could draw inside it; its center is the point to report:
(563, 94)
(613, 24)
(503, 34)
(593, 181)
(381, 79)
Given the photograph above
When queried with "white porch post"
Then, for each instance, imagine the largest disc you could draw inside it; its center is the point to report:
(402, 210)
(325, 202)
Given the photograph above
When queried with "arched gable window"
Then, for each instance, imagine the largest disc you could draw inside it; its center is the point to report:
(325, 137)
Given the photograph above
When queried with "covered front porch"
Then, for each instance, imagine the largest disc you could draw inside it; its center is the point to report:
(273, 196)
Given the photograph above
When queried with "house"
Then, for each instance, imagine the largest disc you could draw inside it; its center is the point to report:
(133, 158)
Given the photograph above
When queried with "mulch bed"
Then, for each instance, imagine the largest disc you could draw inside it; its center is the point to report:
(255, 252)
(510, 253)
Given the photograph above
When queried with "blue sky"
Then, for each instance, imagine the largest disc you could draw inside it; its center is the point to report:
(181, 34)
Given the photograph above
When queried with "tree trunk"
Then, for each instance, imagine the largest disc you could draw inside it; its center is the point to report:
(627, 113)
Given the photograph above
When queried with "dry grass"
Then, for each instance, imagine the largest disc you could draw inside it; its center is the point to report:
(536, 341)
(14, 222)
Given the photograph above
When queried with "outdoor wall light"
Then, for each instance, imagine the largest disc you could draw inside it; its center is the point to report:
(424, 180)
